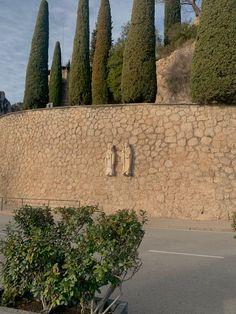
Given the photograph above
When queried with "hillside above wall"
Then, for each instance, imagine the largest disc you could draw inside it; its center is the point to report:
(173, 76)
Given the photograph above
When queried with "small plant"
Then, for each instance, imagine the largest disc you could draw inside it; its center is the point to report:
(234, 221)
(67, 260)
(116, 238)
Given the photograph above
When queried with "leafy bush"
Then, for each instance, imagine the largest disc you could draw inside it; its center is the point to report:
(67, 260)
(28, 218)
(234, 221)
(178, 35)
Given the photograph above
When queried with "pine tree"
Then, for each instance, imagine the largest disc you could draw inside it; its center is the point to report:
(214, 62)
(80, 77)
(100, 92)
(172, 16)
(139, 66)
(55, 84)
(36, 83)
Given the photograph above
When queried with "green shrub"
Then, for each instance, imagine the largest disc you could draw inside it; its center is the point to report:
(234, 221)
(33, 217)
(178, 35)
(67, 260)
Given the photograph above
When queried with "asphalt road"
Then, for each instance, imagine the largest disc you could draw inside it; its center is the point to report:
(184, 272)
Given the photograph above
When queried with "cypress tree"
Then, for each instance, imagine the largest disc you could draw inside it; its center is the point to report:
(80, 77)
(55, 84)
(172, 16)
(92, 45)
(36, 83)
(139, 65)
(115, 64)
(100, 92)
(214, 62)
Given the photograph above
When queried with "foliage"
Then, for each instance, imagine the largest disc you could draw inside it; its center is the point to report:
(92, 45)
(55, 84)
(18, 106)
(214, 62)
(115, 63)
(172, 16)
(100, 92)
(67, 260)
(80, 76)
(234, 221)
(36, 83)
(181, 33)
(139, 65)
(29, 218)
(178, 35)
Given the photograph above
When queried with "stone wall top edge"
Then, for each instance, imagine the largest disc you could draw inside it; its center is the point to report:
(99, 107)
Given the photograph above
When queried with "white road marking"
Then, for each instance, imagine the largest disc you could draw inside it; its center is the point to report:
(190, 230)
(186, 254)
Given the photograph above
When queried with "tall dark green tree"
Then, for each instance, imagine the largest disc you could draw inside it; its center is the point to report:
(92, 45)
(172, 16)
(214, 62)
(80, 77)
(55, 84)
(100, 92)
(139, 65)
(36, 84)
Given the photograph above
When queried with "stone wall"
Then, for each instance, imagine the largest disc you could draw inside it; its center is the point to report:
(184, 157)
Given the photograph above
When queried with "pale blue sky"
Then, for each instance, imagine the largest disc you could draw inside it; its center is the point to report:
(17, 20)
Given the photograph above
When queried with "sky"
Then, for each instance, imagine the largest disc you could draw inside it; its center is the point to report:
(17, 21)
